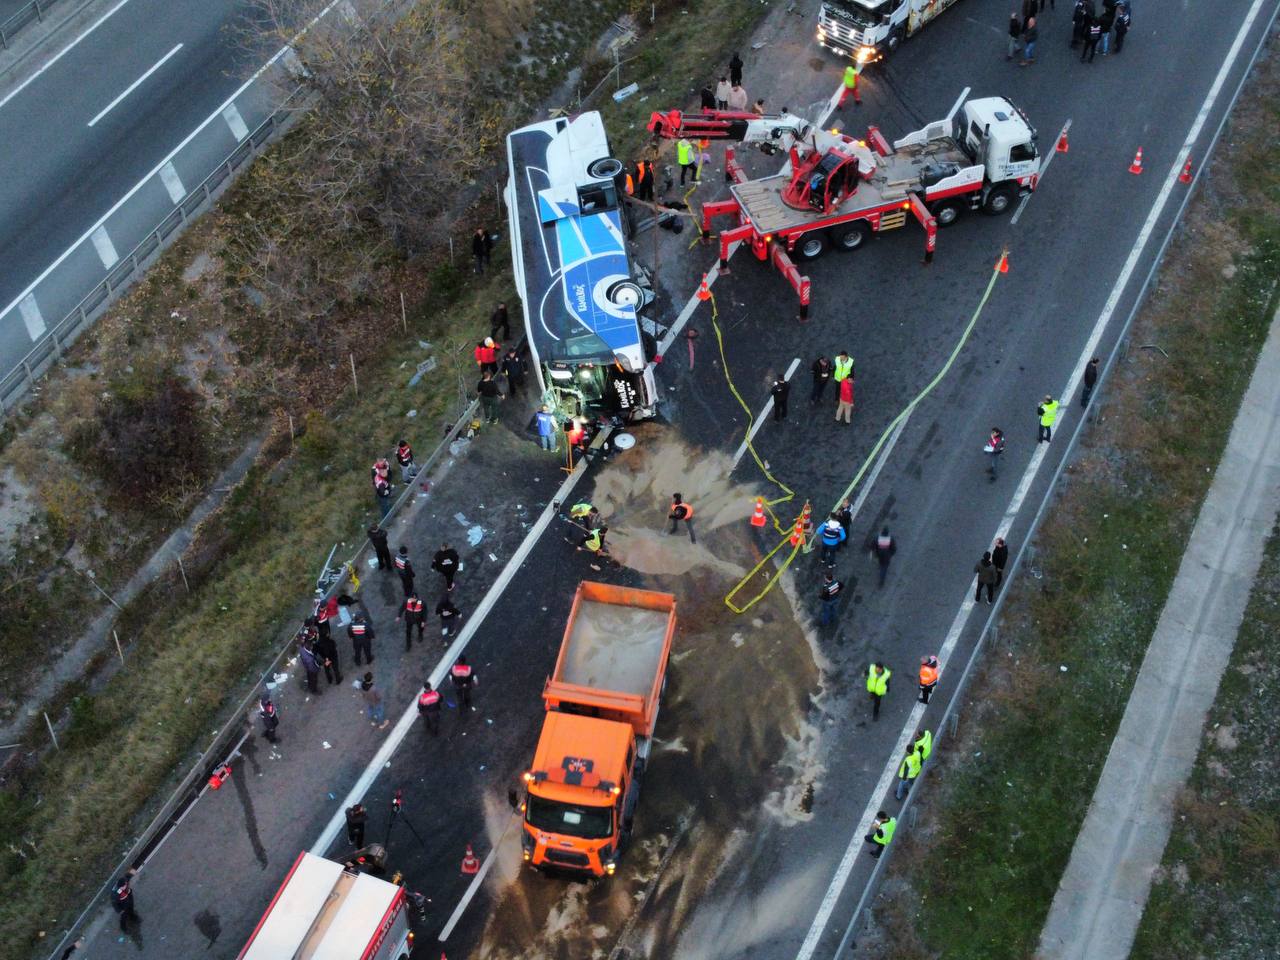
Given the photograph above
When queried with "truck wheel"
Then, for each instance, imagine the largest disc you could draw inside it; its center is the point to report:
(998, 201)
(947, 212)
(851, 236)
(810, 247)
(606, 168)
(895, 39)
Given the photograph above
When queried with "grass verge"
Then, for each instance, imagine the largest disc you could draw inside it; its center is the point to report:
(1217, 894)
(977, 876)
(262, 547)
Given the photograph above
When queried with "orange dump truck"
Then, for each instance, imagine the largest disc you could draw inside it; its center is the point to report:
(602, 705)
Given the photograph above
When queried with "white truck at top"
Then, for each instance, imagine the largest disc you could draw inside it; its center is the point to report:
(869, 29)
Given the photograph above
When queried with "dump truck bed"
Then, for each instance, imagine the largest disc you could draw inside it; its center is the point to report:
(614, 654)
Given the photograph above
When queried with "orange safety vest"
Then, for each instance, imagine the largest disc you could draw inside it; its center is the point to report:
(928, 675)
(688, 510)
(630, 186)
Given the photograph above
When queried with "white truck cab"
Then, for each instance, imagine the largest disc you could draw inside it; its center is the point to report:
(998, 135)
(869, 29)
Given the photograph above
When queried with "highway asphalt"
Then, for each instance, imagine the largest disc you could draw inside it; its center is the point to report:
(751, 875)
(61, 174)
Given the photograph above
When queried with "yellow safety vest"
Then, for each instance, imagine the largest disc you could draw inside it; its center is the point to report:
(844, 368)
(924, 745)
(910, 766)
(878, 683)
(684, 152)
(1050, 413)
(885, 833)
(850, 77)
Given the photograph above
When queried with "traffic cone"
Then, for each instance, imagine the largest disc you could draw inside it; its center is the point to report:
(1185, 176)
(1136, 166)
(703, 292)
(1062, 143)
(758, 518)
(470, 863)
(1003, 263)
(797, 535)
(807, 518)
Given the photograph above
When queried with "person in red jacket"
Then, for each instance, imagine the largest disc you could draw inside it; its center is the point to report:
(486, 354)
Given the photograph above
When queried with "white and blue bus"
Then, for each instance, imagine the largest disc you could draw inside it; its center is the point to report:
(575, 281)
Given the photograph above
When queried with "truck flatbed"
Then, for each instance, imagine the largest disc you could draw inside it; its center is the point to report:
(894, 176)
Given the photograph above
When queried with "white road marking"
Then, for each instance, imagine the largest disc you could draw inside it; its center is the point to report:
(1044, 168)
(856, 507)
(474, 885)
(134, 86)
(173, 153)
(410, 716)
(31, 316)
(690, 305)
(106, 249)
(172, 182)
(768, 405)
(61, 53)
(239, 129)
(836, 888)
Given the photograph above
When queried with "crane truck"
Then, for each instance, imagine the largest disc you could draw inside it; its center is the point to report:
(867, 30)
(582, 298)
(601, 707)
(840, 191)
(325, 911)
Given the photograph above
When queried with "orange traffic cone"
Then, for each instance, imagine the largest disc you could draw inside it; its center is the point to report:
(703, 292)
(807, 518)
(1003, 263)
(797, 535)
(758, 518)
(1185, 176)
(470, 863)
(1062, 143)
(1136, 166)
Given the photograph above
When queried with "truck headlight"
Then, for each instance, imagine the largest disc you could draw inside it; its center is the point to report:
(610, 867)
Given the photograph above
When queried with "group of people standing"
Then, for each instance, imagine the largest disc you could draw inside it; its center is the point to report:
(1091, 28)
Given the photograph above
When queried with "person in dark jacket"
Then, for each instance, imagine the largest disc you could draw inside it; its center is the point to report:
(999, 557)
(821, 377)
(404, 567)
(1079, 19)
(986, 572)
(1030, 34)
(270, 718)
(1106, 21)
(513, 370)
(708, 97)
(445, 563)
(481, 248)
(326, 649)
(1015, 35)
(884, 547)
(122, 899)
(1092, 34)
(779, 392)
(378, 537)
(310, 664)
(487, 390)
(1090, 372)
(500, 321)
(448, 614)
(1123, 21)
(362, 636)
(735, 70)
(356, 819)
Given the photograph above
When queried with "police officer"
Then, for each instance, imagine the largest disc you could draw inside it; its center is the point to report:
(1048, 414)
(928, 677)
(361, 633)
(122, 899)
(327, 653)
(830, 595)
(404, 567)
(445, 563)
(270, 719)
(404, 457)
(378, 537)
(877, 686)
(326, 610)
(356, 817)
(882, 830)
(884, 549)
(908, 770)
(413, 617)
(429, 708)
(448, 614)
(464, 678)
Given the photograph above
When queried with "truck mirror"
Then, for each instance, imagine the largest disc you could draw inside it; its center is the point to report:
(513, 798)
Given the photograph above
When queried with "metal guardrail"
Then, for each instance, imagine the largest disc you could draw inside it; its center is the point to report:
(49, 349)
(16, 21)
(239, 725)
(951, 716)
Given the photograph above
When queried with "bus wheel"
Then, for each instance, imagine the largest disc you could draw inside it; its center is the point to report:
(606, 168)
(851, 236)
(625, 293)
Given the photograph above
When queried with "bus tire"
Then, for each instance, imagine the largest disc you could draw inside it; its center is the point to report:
(606, 168)
(625, 292)
(999, 200)
(848, 237)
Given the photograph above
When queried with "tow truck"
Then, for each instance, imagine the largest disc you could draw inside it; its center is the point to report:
(840, 191)
(868, 30)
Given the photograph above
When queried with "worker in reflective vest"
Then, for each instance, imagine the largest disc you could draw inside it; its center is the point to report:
(586, 515)
(684, 157)
(404, 567)
(464, 679)
(644, 180)
(361, 634)
(923, 745)
(928, 677)
(404, 457)
(882, 830)
(850, 87)
(1048, 413)
(877, 686)
(413, 617)
(908, 770)
(681, 511)
(429, 708)
(844, 366)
